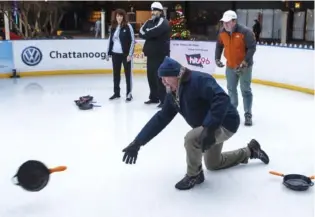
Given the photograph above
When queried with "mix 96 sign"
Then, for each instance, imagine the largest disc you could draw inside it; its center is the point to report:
(196, 55)
(197, 60)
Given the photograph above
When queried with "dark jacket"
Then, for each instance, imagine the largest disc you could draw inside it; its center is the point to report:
(127, 40)
(257, 27)
(238, 46)
(202, 103)
(157, 34)
(2, 34)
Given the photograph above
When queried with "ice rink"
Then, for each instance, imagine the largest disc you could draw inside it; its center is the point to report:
(40, 121)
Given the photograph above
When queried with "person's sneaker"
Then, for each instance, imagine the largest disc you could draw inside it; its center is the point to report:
(150, 101)
(189, 182)
(129, 97)
(257, 152)
(248, 119)
(115, 96)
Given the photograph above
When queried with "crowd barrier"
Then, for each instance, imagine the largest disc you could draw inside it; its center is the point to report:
(284, 67)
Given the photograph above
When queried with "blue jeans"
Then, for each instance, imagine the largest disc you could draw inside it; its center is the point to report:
(245, 78)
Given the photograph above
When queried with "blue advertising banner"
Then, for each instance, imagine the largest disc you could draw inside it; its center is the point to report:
(6, 57)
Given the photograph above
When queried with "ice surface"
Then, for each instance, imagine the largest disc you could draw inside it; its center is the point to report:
(38, 120)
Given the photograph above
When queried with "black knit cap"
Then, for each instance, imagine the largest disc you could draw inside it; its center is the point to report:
(169, 68)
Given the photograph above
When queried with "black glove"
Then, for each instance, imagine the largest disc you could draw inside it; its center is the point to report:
(219, 63)
(207, 138)
(131, 153)
(242, 66)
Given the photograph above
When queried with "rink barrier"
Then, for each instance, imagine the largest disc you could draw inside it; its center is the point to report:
(143, 72)
(282, 66)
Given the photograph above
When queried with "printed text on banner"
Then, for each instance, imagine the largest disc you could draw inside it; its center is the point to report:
(195, 55)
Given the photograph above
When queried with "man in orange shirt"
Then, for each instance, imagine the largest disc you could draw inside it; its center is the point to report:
(239, 46)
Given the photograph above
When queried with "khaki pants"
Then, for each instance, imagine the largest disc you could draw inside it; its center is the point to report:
(214, 158)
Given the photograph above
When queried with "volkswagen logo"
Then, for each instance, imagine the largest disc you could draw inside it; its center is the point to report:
(31, 56)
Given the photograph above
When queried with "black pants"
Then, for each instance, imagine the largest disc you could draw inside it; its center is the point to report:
(257, 34)
(117, 60)
(157, 89)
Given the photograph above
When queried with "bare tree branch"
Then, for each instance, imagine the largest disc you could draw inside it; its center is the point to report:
(37, 17)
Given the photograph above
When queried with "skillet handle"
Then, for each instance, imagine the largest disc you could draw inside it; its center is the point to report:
(312, 177)
(15, 180)
(57, 169)
(276, 173)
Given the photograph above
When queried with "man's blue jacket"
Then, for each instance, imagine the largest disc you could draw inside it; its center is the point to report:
(201, 101)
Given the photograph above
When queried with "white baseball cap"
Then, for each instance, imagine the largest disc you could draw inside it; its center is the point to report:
(156, 6)
(228, 16)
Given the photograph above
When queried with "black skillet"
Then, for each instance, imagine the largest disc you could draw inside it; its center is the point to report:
(34, 175)
(295, 182)
(83, 100)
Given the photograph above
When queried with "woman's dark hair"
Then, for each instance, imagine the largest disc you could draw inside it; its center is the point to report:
(123, 13)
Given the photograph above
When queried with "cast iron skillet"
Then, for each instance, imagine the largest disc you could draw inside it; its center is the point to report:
(295, 182)
(34, 175)
(84, 100)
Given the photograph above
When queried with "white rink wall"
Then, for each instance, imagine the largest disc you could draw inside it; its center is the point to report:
(274, 65)
(291, 66)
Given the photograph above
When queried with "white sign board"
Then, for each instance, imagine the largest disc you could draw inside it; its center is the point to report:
(47, 55)
(195, 55)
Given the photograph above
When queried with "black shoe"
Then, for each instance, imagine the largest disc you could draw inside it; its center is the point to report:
(160, 105)
(248, 119)
(129, 97)
(189, 182)
(115, 96)
(150, 101)
(257, 152)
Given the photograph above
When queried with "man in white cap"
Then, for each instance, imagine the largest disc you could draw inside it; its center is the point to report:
(156, 32)
(239, 46)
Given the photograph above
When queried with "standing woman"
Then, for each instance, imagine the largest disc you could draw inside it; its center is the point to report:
(121, 48)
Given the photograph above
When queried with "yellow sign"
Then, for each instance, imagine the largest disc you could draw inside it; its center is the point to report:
(139, 60)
